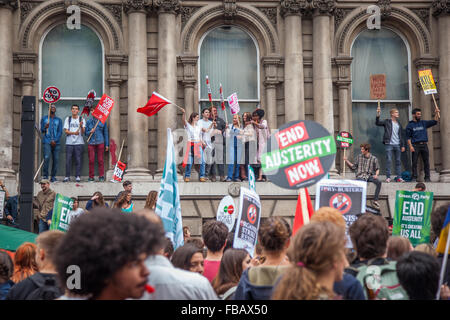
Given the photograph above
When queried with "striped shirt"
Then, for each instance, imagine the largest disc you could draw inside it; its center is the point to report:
(365, 167)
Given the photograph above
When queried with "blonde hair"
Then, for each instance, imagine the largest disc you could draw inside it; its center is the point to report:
(393, 110)
(427, 248)
(329, 214)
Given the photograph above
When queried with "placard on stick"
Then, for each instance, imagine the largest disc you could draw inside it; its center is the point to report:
(377, 86)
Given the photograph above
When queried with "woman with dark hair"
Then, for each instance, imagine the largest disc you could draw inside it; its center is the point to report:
(25, 262)
(195, 146)
(249, 140)
(6, 271)
(188, 257)
(257, 282)
(96, 201)
(262, 133)
(233, 263)
(124, 202)
(150, 202)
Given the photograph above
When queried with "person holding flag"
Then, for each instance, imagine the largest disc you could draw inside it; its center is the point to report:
(52, 130)
(234, 136)
(98, 144)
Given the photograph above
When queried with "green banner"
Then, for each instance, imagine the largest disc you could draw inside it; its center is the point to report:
(349, 140)
(412, 217)
(61, 209)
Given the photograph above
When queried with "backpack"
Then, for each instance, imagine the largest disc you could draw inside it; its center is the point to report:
(406, 175)
(46, 290)
(381, 281)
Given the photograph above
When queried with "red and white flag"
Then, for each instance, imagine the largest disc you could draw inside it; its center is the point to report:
(303, 211)
(222, 102)
(155, 104)
(209, 89)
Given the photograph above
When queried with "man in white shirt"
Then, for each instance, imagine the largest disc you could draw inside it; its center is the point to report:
(205, 123)
(74, 127)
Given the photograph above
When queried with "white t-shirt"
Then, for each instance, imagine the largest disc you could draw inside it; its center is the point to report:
(194, 133)
(75, 214)
(206, 136)
(74, 127)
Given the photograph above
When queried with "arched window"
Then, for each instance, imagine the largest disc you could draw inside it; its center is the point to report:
(228, 55)
(379, 52)
(71, 60)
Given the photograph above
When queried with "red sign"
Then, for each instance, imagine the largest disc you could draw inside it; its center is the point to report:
(303, 171)
(292, 135)
(377, 86)
(230, 209)
(103, 109)
(119, 170)
(51, 95)
(252, 213)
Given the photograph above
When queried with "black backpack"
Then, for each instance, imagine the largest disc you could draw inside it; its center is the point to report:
(46, 289)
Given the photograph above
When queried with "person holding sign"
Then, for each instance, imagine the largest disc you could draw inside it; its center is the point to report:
(368, 169)
(394, 142)
(74, 127)
(98, 144)
(52, 131)
(234, 145)
(416, 133)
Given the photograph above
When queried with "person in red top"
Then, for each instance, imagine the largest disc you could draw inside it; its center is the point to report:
(215, 238)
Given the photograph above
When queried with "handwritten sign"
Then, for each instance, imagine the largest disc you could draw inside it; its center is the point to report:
(233, 102)
(377, 86)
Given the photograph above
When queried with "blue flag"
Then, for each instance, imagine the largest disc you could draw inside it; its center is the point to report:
(168, 205)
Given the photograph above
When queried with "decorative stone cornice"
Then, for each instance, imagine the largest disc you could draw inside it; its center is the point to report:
(426, 62)
(116, 11)
(186, 13)
(114, 61)
(295, 7)
(9, 4)
(229, 9)
(385, 8)
(189, 63)
(343, 64)
(167, 6)
(27, 61)
(441, 7)
(26, 8)
(136, 5)
(271, 64)
(324, 7)
(270, 13)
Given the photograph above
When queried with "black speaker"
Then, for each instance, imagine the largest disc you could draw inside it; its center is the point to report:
(26, 168)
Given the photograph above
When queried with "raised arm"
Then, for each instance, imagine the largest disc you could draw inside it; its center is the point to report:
(184, 116)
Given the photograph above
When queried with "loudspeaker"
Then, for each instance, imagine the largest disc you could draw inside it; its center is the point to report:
(26, 168)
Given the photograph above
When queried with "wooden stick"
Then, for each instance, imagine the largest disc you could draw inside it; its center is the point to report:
(39, 169)
(49, 109)
(344, 162)
(93, 130)
(120, 153)
(437, 109)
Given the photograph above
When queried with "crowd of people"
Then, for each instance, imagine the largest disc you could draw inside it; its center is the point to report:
(108, 254)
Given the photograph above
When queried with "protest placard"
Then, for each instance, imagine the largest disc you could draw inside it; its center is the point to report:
(51, 94)
(61, 213)
(377, 86)
(247, 226)
(251, 179)
(103, 108)
(427, 81)
(344, 139)
(119, 170)
(301, 154)
(412, 217)
(233, 102)
(226, 212)
(2, 203)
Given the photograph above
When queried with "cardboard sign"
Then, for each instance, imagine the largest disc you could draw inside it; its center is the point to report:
(103, 108)
(427, 81)
(233, 102)
(51, 94)
(344, 139)
(226, 212)
(377, 86)
(61, 213)
(301, 154)
(247, 226)
(2, 203)
(119, 170)
(412, 217)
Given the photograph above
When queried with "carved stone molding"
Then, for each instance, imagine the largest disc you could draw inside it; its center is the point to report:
(385, 8)
(324, 6)
(11, 4)
(27, 61)
(441, 7)
(114, 61)
(186, 13)
(136, 5)
(339, 15)
(296, 7)
(424, 15)
(116, 11)
(426, 62)
(168, 6)
(26, 8)
(270, 13)
(229, 9)
(189, 63)
(271, 64)
(343, 64)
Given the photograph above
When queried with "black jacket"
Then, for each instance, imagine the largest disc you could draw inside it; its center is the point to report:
(23, 289)
(387, 124)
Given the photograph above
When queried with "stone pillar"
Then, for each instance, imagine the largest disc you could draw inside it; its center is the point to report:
(189, 80)
(167, 71)
(137, 140)
(322, 78)
(6, 87)
(294, 92)
(442, 11)
(270, 64)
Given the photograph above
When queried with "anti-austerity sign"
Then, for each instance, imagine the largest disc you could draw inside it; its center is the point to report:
(247, 225)
(378, 86)
(412, 217)
(344, 139)
(302, 153)
(103, 108)
(226, 212)
(119, 170)
(427, 81)
(61, 209)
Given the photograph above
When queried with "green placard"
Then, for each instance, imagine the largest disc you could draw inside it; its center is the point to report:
(412, 217)
(61, 208)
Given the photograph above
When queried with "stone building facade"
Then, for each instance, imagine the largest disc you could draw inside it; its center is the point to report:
(307, 67)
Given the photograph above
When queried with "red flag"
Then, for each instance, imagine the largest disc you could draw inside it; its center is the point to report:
(303, 211)
(89, 102)
(153, 105)
(209, 89)
(222, 102)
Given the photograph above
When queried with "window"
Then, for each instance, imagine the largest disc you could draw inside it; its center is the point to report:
(71, 60)
(229, 56)
(379, 52)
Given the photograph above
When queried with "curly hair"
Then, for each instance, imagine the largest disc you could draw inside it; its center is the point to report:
(25, 262)
(214, 234)
(317, 246)
(181, 258)
(102, 243)
(122, 199)
(6, 267)
(230, 270)
(369, 235)
(274, 233)
(150, 202)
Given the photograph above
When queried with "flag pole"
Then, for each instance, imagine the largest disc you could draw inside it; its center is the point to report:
(437, 109)
(48, 119)
(120, 153)
(444, 266)
(344, 161)
(39, 169)
(93, 130)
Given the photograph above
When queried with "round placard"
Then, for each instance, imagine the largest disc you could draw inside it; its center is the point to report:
(51, 94)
